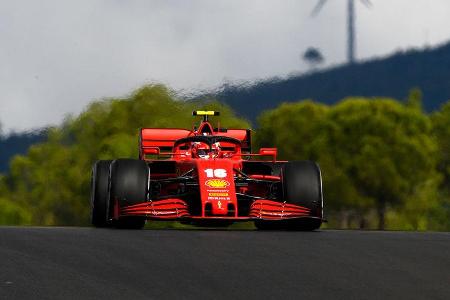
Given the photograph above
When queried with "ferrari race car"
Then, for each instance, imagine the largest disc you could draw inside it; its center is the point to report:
(206, 177)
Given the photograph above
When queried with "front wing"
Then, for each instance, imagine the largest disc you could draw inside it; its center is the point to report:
(177, 209)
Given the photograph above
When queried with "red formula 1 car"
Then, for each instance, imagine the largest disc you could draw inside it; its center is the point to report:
(206, 176)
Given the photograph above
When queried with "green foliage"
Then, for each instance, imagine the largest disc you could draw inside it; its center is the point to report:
(292, 127)
(52, 181)
(415, 98)
(381, 160)
(441, 132)
(374, 153)
(17, 143)
(424, 210)
(13, 214)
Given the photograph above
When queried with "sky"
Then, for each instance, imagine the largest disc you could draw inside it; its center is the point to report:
(57, 56)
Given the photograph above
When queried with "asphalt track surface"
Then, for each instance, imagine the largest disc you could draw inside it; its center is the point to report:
(88, 263)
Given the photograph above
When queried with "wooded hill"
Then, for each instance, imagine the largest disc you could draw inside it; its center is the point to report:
(393, 76)
(385, 164)
(18, 143)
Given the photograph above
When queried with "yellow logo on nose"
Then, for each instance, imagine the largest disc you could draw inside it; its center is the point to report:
(217, 183)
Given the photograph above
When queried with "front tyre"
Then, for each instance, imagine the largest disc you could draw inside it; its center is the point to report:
(302, 185)
(99, 193)
(129, 184)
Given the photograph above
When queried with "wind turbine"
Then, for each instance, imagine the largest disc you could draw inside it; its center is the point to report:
(351, 37)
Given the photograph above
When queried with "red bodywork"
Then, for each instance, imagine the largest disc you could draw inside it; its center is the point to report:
(232, 186)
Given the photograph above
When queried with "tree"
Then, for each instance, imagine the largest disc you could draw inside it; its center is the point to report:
(10, 212)
(297, 130)
(53, 179)
(292, 127)
(441, 132)
(385, 149)
(415, 98)
(374, 153)
(313, 57)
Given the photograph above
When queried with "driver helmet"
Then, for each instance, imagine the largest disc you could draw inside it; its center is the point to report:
(215, 150)
(201, 150)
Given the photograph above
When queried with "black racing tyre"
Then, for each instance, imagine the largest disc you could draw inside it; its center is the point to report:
(302, 185)
(129, 185)
(99, 193)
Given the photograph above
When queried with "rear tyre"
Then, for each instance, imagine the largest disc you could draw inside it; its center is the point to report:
(129, 184)
(302, 185)
(99, 193)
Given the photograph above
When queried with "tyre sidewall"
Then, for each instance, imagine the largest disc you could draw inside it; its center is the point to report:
(302, 184)
(129, 186)
(100, 193)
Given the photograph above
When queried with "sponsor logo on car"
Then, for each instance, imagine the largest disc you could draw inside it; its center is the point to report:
(217, 183)
(218, 194)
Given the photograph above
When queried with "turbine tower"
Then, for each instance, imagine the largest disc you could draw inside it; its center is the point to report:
(351, 37)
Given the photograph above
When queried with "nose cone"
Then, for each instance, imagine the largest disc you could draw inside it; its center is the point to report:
(217, 190)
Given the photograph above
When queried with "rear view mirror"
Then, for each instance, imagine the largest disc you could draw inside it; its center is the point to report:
(268, 152)
(151, 150)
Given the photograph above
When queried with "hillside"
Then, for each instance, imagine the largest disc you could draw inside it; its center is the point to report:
(393, 76)
(17, 143)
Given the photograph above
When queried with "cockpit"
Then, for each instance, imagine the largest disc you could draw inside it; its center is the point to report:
(208, 147)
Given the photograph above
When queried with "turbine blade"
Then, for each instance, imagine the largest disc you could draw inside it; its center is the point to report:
(318, 7)
(367, 3)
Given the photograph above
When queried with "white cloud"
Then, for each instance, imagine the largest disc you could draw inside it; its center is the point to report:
(57, 56)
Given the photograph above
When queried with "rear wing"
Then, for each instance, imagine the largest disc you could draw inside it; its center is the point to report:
(160, 138)
(244, 135)
(164, 139)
